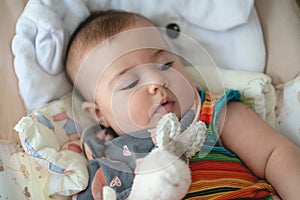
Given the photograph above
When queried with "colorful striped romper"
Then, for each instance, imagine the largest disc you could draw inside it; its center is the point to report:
(216, 172)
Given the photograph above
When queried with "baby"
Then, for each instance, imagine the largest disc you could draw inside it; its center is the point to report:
(121, 65)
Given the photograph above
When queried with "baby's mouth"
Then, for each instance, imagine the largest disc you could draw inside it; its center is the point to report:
(166, 105)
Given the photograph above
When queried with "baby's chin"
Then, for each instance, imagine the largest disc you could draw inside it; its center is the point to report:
(148, 122)
(156, 118)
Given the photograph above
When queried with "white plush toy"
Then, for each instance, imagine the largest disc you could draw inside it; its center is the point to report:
(220, 26)
(164, 174)
(44, 28)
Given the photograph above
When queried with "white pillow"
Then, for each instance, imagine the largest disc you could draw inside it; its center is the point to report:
(44, 28)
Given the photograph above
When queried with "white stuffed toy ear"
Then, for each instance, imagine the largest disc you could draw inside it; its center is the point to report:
(192, 139)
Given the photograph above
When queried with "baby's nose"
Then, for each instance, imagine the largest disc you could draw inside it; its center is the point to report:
(153, 88)
(156, 80)
(159, 84)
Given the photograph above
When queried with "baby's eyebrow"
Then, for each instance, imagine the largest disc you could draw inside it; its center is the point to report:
(159, 51)
(118, 75)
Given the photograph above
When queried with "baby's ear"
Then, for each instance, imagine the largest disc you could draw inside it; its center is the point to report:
(93, 111)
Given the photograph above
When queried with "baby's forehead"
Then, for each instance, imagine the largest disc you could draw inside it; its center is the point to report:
(95, 62)
(123, 43)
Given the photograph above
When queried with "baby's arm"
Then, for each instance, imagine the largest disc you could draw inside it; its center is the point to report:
(267, 153)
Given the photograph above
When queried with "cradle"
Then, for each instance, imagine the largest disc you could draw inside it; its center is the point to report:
(281, 28)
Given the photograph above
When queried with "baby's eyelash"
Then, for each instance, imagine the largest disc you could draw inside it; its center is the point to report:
(131, 85)
(166, 66)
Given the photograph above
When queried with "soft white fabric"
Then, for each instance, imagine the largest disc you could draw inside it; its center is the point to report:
(221, 27)
(44, 28)
(42, 33)
(252, 85)
(289, 110)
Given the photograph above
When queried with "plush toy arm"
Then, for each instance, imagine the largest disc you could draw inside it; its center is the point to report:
(168, 130)
(193, 138)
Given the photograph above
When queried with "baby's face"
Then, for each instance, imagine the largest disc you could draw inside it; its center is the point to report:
(140, 86)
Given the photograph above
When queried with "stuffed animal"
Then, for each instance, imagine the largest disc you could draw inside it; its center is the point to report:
(219, 26)
(164, 174)
(44, 28)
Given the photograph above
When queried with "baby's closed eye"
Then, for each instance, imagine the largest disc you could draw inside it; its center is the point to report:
(129, 82)
(166, 66)
(131, 85)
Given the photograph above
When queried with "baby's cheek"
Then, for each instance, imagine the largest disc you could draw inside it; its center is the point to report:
(138, 109)
(140, 117)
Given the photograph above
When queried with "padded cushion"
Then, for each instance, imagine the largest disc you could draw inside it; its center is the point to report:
(47, 24)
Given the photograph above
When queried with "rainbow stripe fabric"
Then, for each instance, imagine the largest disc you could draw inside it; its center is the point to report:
(216, 172)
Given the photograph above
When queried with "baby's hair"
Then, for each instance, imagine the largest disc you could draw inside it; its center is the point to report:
(99, 26)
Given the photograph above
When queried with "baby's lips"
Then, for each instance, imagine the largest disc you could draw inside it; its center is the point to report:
(165, 108)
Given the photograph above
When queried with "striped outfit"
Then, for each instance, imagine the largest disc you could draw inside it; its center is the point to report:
(216, 172)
